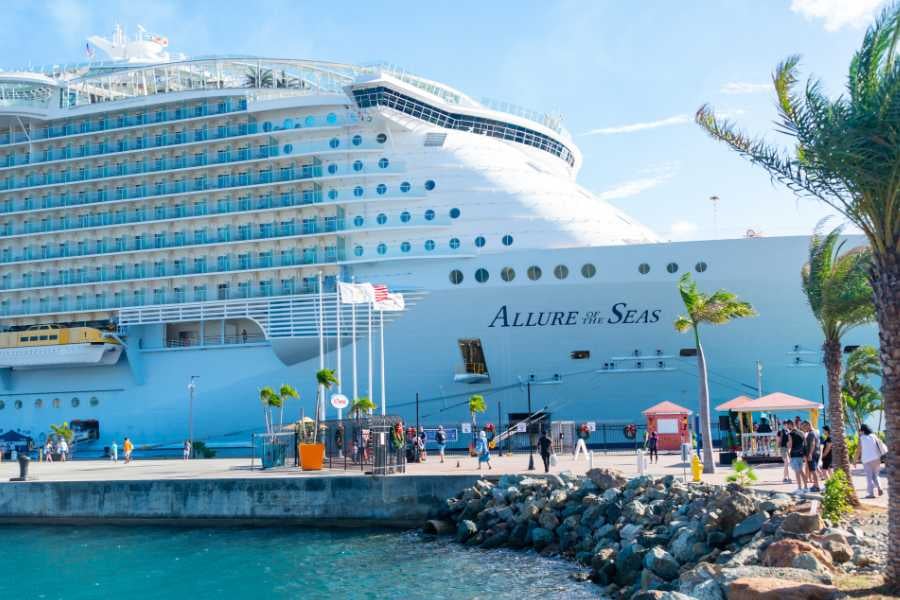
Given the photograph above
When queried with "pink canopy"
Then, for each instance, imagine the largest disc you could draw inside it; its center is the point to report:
(776, 401)
(666, 408)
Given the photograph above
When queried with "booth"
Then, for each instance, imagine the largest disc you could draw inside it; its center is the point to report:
(759, 443)
(670, 422)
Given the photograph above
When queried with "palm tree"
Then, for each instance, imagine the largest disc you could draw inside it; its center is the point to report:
(269, 400)
(840, 297)
(258, 78)
(476, 405)
(847, 154)
(362, 405)
(861, 399)
(63, 431)
(717, 308)
(325, 378)
(286, 392)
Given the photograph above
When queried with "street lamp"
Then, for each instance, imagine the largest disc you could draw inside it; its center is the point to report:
(556, 379)
(192, 387)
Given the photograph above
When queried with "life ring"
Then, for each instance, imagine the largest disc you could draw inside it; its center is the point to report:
(630, 431)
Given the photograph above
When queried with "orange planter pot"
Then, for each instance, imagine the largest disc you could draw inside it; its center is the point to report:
(312, 456)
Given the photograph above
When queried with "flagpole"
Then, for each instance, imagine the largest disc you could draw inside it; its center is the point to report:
(353, 349)
(320, 408)
(370, 352)
(337, 304)
(381, 341)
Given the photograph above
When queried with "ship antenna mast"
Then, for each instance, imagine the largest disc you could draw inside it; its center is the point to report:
(715, 203)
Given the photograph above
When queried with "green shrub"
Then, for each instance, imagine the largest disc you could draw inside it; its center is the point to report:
(743, 475)
(836, 499)
(201, 450)
(852, 442)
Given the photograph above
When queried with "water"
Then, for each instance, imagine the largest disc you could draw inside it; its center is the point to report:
(135, 563)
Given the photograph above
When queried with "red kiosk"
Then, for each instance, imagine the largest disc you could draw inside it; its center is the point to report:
(670, 422)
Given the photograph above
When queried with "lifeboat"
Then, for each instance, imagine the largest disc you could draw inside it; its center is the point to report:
(54, 346)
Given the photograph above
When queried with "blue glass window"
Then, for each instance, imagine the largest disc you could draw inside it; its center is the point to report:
(429, 215)
(429, 185)
(332, 194)
(331, 119)
(358, 251)
(481, 275)
(332, 169)
(334, 142)
(479, 241)
(310, 121)
(383, 163)
(288, 124)
(454, 243)
(454, 213)
(381, 138)
(358, 191)
(405, 247)
(405, 216)
(382, 248)
(381, 189)
(405, 187)
(381, 218)
(358, 220)
(267, 126)
(507, 240)
(357, 140)
(357, 165)
(429, 245)
(288, 148)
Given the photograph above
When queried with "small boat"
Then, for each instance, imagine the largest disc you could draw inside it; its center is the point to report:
(55, 346)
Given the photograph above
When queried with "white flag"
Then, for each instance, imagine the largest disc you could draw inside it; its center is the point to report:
(393, 302)
(356, 293)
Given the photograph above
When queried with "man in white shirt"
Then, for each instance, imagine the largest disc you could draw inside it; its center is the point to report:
(63, 449)
(870, 451)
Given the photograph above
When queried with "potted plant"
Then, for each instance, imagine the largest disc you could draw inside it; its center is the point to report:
(312, 453)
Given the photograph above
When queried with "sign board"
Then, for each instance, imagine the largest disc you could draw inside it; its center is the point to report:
(452, 434)
(520, 428)
(667, 426)
(466, 427)
(592, 425)
(339, 401)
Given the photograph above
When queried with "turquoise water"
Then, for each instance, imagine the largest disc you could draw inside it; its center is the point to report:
(133, 563)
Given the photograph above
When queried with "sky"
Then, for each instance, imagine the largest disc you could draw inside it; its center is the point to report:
(626, 76)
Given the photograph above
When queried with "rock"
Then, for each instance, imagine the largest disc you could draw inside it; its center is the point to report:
(726, 575)
(750, 525)
(581, 576)
(755, 588)
(716, 539)
(629, 562)
(558, 498)
(784, 553)
(465, 530)
(634, 511)
(507, 481)
(548, 519)
(497, 539)
(613, 512)
(630, 531)
(611, 495)
(651, 581)
(840, 551)
(518, 538)
(605, 479)
(555, 481)
(705, 590)
(733, 507)
(541, 537)
(682, 545)
(660, 595)
(662, 563)
(802, 523)
(810, 563)
(776, 502)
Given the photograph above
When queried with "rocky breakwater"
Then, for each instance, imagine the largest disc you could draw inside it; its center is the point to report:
(659, 537)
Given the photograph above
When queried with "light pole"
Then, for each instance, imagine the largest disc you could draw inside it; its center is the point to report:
(555, 379)
(192, 387)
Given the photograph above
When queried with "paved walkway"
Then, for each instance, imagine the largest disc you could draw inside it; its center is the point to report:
(769, 476)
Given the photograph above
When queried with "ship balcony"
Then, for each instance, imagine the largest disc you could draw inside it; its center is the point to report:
(472, 373)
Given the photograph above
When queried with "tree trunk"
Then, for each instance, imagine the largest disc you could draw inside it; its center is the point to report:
(886, 284)
(839, 455)
(709, 464)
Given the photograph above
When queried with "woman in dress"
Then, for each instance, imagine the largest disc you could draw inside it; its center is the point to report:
(826, 452)
(483, 450)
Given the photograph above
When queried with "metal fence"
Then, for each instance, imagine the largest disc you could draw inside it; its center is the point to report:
(366, 444)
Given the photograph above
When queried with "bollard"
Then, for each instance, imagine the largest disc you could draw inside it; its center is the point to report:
(590, 460)
(24, 460)
(640, 461)
(696, 468)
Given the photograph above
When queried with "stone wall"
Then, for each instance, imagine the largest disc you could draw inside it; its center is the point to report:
(394, 501)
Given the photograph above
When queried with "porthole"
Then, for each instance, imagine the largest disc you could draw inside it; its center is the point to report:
(429, 245)
(309, 121)
(267, 126)
(382, 248)
(381, 219)
(75, 402)
(456, 276)
(332, 169)
(334, 142)
(38, 403)
(383, 163)
(672, 267)
(56, 403)
(94, 401)
(358, 191)
(381, 189)
(479, 241)
(429, 185)
(429, 215)
(454, 213)
(18, 404)
(332, 194)
(405, 247)
(482, 275)
(588, 270)
(331, 118)
(454, 243)
(357, 165)
(534, 272)
(405, 187)
(405, 216)
(381, 138)
(700, 267)
(507, 240)
(288, 124)
(2, 404)
(507, 274)
(358, 220)
(561, 271)
(358, 251)
(288, 148)
(357, 140)
(644, 268)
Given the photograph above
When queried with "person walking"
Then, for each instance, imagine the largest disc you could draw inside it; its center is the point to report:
(128, 448)
(797, 454)
(653, 446)
(48, 451)
(870, 451)
(63, 449)
(483, 450)
(812, 456)
(581, 446)
(441, 438)
(186, 451)
(545, 449)
(114, 451)
(421, 440)
(825, 467)
(783, 436)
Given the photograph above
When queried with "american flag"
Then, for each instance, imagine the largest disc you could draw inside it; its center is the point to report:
(381, 292)
(88, 50)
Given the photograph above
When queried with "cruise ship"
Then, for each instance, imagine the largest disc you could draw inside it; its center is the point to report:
(187, 220)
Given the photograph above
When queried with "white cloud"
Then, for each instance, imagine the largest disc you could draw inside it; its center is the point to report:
(838, 13)
(743, 87)
(631, 128)
(633, 187)
(680, 229)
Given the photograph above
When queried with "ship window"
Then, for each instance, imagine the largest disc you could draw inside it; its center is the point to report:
(472, 352)
(54, 337)
(56, 403)
(288, 148)
(454, 243)
(381, 219)
(507, 274)
(33, 338)
(18, 404)
(381, 189)
(381, 138)
(332, 194)
(357, 140)
(331, 118)
(267, 126)
(507, 240)
(383, 163)
(405, 246)
(405, 187)
(310, 121)
(288, 124)
(43, 338)
(38, 403)
(429, 245)
(334, 143)
(429, 185)
(405, 216)
(580, 354)
(94, 401)
(358, 191)
(700, 267)
(454, 213)
(561, 271)
(672, 267)
(479, 241)
(644, 268)
(332, 169)
(75, 402)
(482, 275)
(358, 251)
(429, 215)
(357, 165)
(687, 352)
(2, 404)
(534, 273)
(588, 270)
(358, 220)
(23, 339)
(382, 248)
(456, 276)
